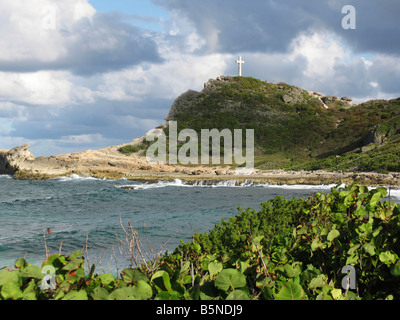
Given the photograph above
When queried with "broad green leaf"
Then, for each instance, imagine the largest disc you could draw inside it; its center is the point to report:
(333, 234)
(230, 278)
(369, 248)
(76, 295)
(243, 265)
(126, 293)
(100, 293)
(382, 191)
(167, 296)
(9, 276)
(317, 282)
(167, 282)
(315, 244)
(32, 271)
(106, 279)
(323, 296)
(157, 274)
(214, 268)
(395, 269)
(387, 257)
(74, 264)
(184, 269)
(55, 260)
(30, 291)
(375, 199)
(133, 276)
(238, 295)
(292, 271)
(161, 280)
(20, 263)
(11, 290)
(144, 289)
(337, 294)
(291, 291)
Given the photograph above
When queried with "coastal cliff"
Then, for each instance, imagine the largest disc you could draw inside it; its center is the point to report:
(301, 136)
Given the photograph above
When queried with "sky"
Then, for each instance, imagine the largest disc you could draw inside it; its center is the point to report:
(88, 74)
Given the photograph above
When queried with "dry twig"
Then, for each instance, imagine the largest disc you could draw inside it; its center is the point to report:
(133, 250)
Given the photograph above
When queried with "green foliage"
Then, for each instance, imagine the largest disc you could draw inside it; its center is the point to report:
(129, 149)
(289, 250)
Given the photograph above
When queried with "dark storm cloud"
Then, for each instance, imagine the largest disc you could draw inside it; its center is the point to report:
(271, 25)
(105, 44)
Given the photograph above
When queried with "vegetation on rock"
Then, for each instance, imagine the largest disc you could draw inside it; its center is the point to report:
(294, 128)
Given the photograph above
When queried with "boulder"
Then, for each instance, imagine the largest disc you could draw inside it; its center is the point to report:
(329, 99)
(374, 136)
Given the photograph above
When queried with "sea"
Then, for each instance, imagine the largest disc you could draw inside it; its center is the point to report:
(74, 213)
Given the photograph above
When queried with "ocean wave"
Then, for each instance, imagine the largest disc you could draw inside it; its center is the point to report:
(160, 184)
(5, 176)
(25, 200)
(75, 177)
(218, 184)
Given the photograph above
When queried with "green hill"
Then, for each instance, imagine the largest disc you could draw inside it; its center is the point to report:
(294, 128)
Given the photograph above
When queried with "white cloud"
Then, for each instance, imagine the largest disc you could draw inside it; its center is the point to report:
(81, 139)
(23, 31)
(52, 88)
(177, 74)
(322, 52)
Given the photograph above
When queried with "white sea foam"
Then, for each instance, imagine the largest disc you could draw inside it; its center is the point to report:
(220, 184)
(75, 177)
(160, 184)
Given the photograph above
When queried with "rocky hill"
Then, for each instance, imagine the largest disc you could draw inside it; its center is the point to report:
(298, 133)
(296, 128)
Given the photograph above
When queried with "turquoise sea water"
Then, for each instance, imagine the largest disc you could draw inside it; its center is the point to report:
(76, 208)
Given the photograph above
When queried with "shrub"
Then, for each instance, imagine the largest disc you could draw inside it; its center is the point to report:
(290, 249)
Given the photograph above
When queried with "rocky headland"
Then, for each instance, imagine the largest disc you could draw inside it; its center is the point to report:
(273, 109)
(109, 163)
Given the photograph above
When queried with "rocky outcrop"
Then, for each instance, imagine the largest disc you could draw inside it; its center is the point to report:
(15, 159)
(374, 136)
(213, 83)
(182, 103)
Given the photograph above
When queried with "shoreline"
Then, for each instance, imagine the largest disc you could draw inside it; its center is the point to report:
(109, 163)
(273, 177)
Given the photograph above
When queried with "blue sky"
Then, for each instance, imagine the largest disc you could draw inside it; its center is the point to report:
(140, 7)
(88, 74)
(147, 14)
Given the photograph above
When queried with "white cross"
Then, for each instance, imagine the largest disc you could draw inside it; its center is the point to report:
(240, 62)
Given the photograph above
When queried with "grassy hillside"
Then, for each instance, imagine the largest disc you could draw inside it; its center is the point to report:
(293, 128)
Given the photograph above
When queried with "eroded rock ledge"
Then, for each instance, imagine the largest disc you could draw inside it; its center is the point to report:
(111, 164)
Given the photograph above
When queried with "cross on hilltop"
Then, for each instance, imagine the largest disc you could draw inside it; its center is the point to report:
(240, 62)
